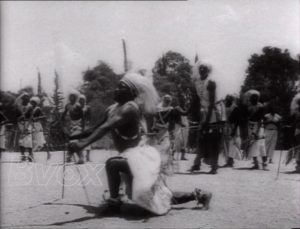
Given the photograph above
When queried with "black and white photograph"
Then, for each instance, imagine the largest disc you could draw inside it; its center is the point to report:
(150, 114)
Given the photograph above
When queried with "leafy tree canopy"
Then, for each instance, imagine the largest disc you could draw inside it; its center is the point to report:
(172, 75)
(273, 73)
(99, 85)
(28, 89)
(99, 81)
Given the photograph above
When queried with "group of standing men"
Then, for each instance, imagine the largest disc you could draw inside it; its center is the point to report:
(232, 125)
(28, 116)
(242, 128)
(24, 111)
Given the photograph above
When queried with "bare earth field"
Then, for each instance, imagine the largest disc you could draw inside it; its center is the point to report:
(31, 196)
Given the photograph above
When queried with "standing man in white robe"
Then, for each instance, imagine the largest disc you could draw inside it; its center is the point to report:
(211, 125)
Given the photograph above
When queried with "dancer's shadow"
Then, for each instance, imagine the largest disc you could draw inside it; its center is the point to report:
(250, 169)
(129, 212)
(192, 173)
(291, 172)
(185, 208)
(16, 162)
(245, 168)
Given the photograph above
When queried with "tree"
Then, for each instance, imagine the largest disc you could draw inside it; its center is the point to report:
(57, 95)
(99, 85)
(27, 89)
(40, 92)
(273, 73)
(297, 86)
(39, 86)
(54, 128)
(172, 75)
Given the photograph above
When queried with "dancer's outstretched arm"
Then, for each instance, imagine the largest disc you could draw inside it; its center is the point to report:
(125, 114)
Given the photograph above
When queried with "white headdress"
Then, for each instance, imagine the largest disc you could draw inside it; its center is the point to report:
(195, 69)
(167, 97)
(143, 88)
(248, 94)
(201, 85)
(19, 99)
(36, 100)
(74, 93)
(294, 104)
(81, 96)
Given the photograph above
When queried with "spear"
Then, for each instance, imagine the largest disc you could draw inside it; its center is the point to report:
(39, 86)
(125, 56)
(196, 58)
(278, 169)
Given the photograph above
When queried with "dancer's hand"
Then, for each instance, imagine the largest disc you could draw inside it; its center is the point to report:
(75, 146)
(205, 126)
(73, 136)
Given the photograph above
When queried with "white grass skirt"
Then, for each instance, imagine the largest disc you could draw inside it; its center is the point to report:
(149, 189)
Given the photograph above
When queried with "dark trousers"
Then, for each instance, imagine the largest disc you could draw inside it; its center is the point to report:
(297, 156)
(182, 197)
(114, 166)
(23, 149)
(209, 147)
(117, 165)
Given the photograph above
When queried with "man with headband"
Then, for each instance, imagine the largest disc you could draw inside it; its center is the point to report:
(25, 126)
(166, 122)
(86, 121)
(256, 146)
(163, 138)
(72, 118)
(138, 162)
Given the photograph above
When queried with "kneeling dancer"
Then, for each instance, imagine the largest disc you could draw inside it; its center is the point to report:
(135, 95)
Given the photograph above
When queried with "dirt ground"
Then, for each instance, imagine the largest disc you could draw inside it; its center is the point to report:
(31, 196)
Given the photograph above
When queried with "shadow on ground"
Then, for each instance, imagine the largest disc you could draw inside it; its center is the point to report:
(129, 212)
(250, 169)
(192, 173)
(291, 172)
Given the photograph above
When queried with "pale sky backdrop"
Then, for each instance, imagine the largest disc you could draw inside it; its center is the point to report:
(70, 36)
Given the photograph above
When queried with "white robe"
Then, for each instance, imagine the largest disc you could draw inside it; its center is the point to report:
(38, 136)
(25, 128)
(2, 137)
(257, 147)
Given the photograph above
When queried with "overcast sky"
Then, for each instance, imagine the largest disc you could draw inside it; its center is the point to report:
(70, 36)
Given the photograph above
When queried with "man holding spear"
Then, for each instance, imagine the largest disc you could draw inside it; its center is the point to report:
(211, 125)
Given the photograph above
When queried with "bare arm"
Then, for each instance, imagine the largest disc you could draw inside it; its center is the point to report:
(235, 119)
(261, 120)
(38, 115)
(3, 119)
(64, 113)
(181, 111)
(112, 121)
